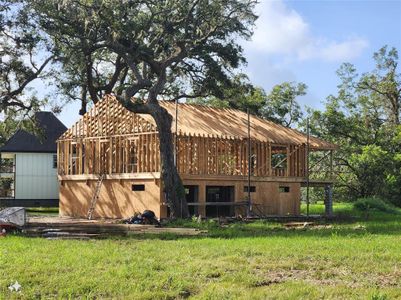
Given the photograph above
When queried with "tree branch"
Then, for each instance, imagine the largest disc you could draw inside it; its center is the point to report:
(5, 100)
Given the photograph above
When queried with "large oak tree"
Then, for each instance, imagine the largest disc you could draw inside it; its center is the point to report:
(144, 50)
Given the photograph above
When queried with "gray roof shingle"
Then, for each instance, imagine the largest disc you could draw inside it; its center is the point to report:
(23, 141)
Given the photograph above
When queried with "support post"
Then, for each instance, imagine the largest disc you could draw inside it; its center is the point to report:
(307, 166)
(328, 200)
(202, 199)
(249, 207)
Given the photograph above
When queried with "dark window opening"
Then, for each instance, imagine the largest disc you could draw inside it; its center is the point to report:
(74, 158)
(279, 160)
(284, 189)
(223, 196)
(138, 187)
(54, 161)
(132, 161)
(253, 164)
(251, 188)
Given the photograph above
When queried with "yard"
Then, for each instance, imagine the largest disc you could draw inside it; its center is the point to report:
(358, 259)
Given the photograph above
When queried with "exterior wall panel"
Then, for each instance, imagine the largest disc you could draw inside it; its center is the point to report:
(35, 176)
(267, 198)
(116, 199)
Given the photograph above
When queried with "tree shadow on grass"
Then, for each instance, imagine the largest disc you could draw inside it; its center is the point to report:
(348, 223)
(379, 224)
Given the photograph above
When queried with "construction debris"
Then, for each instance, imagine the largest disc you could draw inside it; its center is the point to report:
(306, 225)
(148, 217)
(83, 229)
(298, 224)
(13, 216)
(11, 219)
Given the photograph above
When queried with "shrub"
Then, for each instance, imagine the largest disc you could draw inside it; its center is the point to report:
(373, 203)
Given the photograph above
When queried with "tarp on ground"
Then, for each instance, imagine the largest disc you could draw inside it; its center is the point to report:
(13, 216)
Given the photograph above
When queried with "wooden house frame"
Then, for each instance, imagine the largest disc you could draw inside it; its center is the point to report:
(211, 156)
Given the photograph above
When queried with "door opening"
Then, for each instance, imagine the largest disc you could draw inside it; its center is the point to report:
(191, 195)
(219, 200)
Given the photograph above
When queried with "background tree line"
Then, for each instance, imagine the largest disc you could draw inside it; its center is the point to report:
(363, 119)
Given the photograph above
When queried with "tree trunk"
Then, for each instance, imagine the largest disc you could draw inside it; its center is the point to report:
(172, 185)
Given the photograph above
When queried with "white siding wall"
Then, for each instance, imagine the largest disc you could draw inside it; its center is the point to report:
(35, 176)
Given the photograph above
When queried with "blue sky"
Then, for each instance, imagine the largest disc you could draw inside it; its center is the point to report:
(306, 41)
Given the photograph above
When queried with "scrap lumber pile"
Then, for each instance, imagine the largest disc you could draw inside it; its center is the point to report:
(84, 229)
(291, 225)
(305, 225)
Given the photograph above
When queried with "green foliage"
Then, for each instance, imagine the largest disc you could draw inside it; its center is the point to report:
(279, 106)
(373, 203)
(379, 296)
(363, 120)
(20, 64)
(371, 166)
(15, 120)
(168, 48)
(240, 94)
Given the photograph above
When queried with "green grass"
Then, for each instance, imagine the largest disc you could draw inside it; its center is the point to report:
(42, 211)
(358, 259)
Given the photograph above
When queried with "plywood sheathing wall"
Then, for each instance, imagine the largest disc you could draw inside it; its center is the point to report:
(267, 198)
(116, 199)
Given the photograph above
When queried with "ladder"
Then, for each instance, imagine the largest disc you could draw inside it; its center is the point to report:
(95, 196)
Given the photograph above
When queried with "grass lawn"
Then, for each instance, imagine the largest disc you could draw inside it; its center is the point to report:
(260, 260)
(42, 211)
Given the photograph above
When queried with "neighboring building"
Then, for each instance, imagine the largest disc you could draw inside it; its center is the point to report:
(29, 166)
(212, 159)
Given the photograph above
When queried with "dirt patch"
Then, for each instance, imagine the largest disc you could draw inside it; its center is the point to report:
(265, 283)
(389, 279)
(332, 278)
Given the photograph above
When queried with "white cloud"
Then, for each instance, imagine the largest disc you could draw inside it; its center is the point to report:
(282, 30)
(346, 50)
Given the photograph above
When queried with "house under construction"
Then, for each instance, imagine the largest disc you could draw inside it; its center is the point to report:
(212, 157)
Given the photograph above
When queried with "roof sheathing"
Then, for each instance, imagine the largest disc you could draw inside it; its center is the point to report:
(192, 119)
(204, 120)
